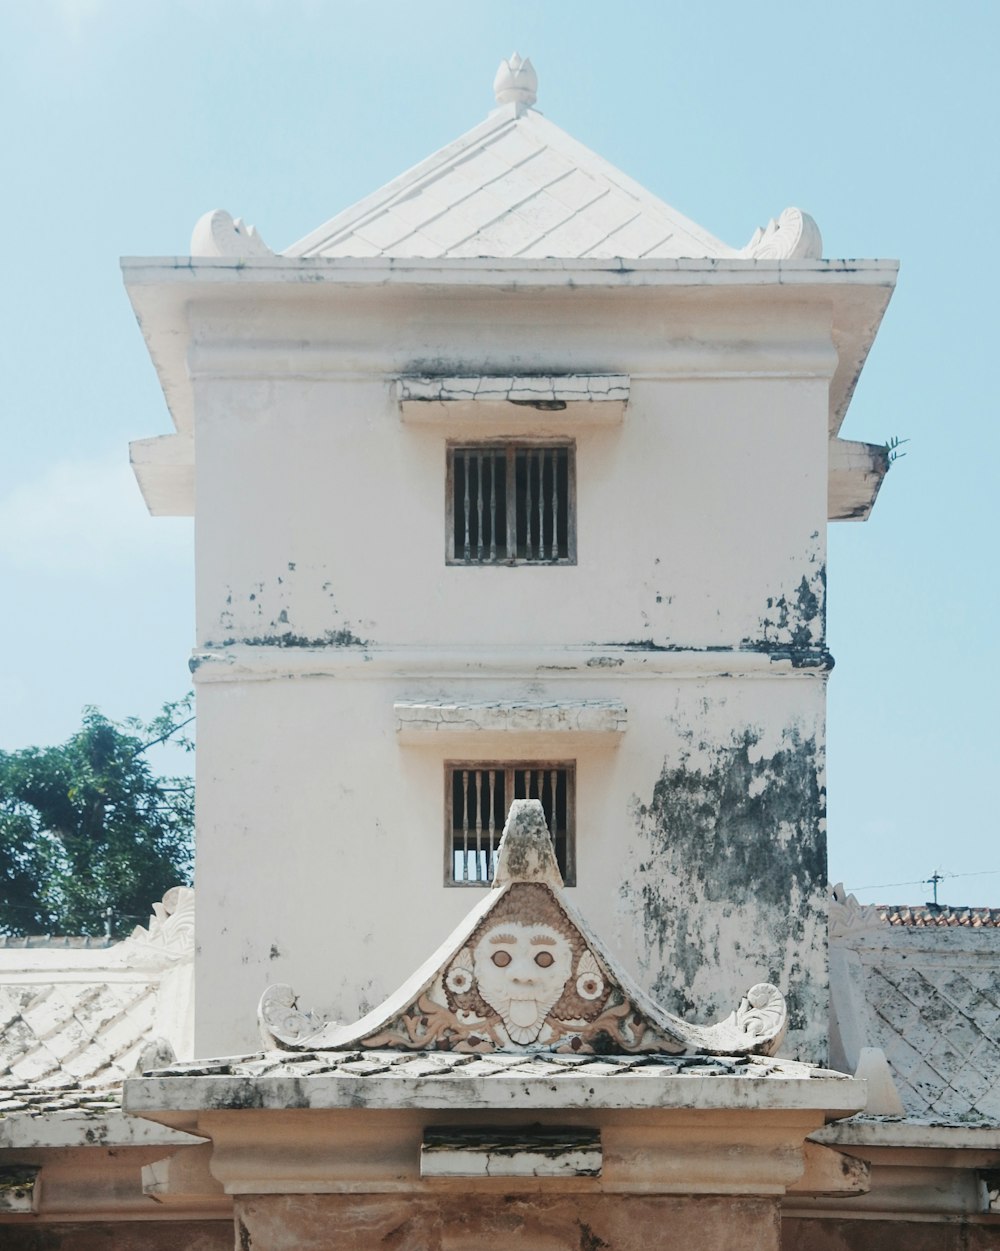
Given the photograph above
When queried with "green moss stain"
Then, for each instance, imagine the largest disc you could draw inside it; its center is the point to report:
(260, 618)
(731, 874)
(795, 621)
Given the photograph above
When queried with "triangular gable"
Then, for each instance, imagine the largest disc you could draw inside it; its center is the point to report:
(522, 973)
(514, 186)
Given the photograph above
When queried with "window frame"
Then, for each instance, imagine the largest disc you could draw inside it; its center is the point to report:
(511, 446)
(510, 767)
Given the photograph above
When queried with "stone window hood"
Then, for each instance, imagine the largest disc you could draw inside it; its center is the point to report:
(590, 399)
(601, 722)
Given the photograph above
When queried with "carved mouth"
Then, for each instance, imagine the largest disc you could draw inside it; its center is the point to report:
(523, 1012)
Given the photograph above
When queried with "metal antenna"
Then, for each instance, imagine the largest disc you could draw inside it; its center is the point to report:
(933, 880)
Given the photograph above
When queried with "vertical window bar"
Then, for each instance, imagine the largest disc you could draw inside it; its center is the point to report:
(493, 511)
(502, 805)
(529, 546)
(465, 825)
(511, 497)
(491, 828)
(556, 460)
(553, 802)
(468, 546)
(479, 512)
(540, 458)
(478, 875)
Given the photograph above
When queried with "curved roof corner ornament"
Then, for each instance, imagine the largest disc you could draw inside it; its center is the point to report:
(792, 236)
(218, 234)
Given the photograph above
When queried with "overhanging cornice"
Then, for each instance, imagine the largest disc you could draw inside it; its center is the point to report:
(166, 293)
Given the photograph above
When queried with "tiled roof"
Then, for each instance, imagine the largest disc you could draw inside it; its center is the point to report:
(514, 186)
(72, 1016)
(512, 1081)
(927, 915)
(445, 1064)
(54, 1035)
(66, 1096)
(939, 1025)
(923, 985)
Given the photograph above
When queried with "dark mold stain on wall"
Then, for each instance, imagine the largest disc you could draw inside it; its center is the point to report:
(742, 838)
(796, 619)
(263, 618)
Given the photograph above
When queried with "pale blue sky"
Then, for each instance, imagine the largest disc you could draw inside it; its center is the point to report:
(126, 120)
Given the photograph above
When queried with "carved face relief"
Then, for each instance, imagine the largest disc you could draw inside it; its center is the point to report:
(520, 971)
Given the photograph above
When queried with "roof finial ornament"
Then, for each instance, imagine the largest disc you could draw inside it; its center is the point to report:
(516, 82)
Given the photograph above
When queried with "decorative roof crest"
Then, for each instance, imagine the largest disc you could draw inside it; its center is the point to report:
(850, 919)
(516, 82)
(168, 938)
(522, 973)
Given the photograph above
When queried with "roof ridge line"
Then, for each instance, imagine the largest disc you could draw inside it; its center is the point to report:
(501, 118)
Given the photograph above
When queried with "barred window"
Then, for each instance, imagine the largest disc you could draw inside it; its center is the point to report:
(477, 797)
(511, 504)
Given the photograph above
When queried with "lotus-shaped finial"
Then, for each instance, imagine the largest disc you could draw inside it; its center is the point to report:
(516, 82)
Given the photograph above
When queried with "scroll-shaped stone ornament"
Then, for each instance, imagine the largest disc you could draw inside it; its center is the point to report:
(793, 236)
(280, 1016)
(217, 233)
(523, 973)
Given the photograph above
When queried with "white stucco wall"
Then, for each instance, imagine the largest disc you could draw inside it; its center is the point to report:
(697, 602)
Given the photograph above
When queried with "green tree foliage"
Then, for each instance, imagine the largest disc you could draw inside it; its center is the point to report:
(89, 825)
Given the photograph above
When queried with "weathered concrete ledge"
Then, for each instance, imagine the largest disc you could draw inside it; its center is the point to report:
(164, 1097)
(89, 1166)
(449, 1081)
(248, 662)
(856, 472)
(586, 398)
(862, 1131)
(344, 1122)
(420, 722)
(110, 1128)
(502, 270)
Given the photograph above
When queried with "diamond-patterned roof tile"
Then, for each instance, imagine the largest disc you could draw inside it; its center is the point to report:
(939, 1027)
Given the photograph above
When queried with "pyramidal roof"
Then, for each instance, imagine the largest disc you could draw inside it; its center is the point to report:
(518, 186)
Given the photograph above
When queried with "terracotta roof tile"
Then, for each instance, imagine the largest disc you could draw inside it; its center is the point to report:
(928, 915)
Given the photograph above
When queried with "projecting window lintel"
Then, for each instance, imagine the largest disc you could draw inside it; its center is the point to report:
(582, 398)
(424, 723)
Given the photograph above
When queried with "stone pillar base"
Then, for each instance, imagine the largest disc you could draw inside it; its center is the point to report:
(518, 1222)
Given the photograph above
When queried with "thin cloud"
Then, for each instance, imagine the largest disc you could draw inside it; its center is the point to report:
(86, 518)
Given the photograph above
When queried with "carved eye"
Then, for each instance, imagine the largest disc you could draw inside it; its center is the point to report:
(544, 959)
(501, 959)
